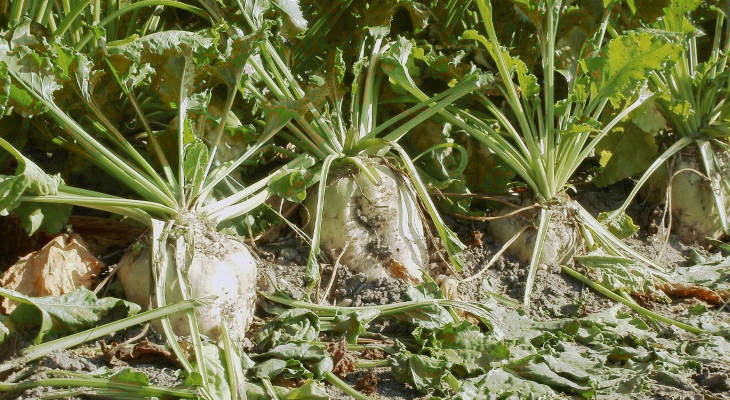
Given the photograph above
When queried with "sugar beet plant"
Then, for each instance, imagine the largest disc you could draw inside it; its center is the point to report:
(691, 98)
(545, 139)
(366, 205)
(179, 200)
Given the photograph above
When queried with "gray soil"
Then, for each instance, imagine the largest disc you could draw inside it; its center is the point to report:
(88, 359)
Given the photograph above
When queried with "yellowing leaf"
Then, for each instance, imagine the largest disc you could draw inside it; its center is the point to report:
(628, 61)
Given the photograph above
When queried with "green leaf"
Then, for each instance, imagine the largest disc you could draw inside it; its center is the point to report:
(466, 349)
(501, 384)
(311, 390)
(534, 368)
(5, 85)
(294, 361)
(529, 86)
(296, 351)
(397, 63)
(256, 10)
(215, 371)
(130, 376)
(623, 153)
(675, 15)
(617, 273)
(423, 372)
(297, 325)
(234, 56)
(591, 126)
(293, 11)
(528, 82)
(196, 161)
(629, 59)
(621, 226)
(29, 179)
(353, 324)
(428, 317)
(712, 272)
(292, 185)
(648, 118)
(70, 312)
(36, 71)
(49, 218)
(6, 328)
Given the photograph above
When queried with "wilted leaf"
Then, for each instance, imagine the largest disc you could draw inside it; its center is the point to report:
(534, 368)
(215, 371)
(353, 324)
(428, 317)
(130, 376)
(621, 225)
(423, 372)
(712, 272)
(617, 273)
(71, 312)
(29, 179)
(297, 325)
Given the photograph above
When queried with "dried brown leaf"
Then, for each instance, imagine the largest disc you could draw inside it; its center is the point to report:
(344, 362)
(368, 384)
(59, 267)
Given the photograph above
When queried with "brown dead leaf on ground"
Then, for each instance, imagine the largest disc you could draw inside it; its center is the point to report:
(683, 291)
(119, 354)
(59, 267)
(343, 360)
(372, 354)
(368, 384)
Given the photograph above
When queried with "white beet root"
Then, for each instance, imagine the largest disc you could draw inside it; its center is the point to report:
(381, 223)
(694, 212)
(222, 268)
(562, 239)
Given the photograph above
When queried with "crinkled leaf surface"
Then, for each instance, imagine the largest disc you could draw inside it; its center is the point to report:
(71, 312)
(712, 272)
(30, 180)
(353, 324)
(292, 185)
(297, 325)
(628, 60)
(620, 225)
(617, 273)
